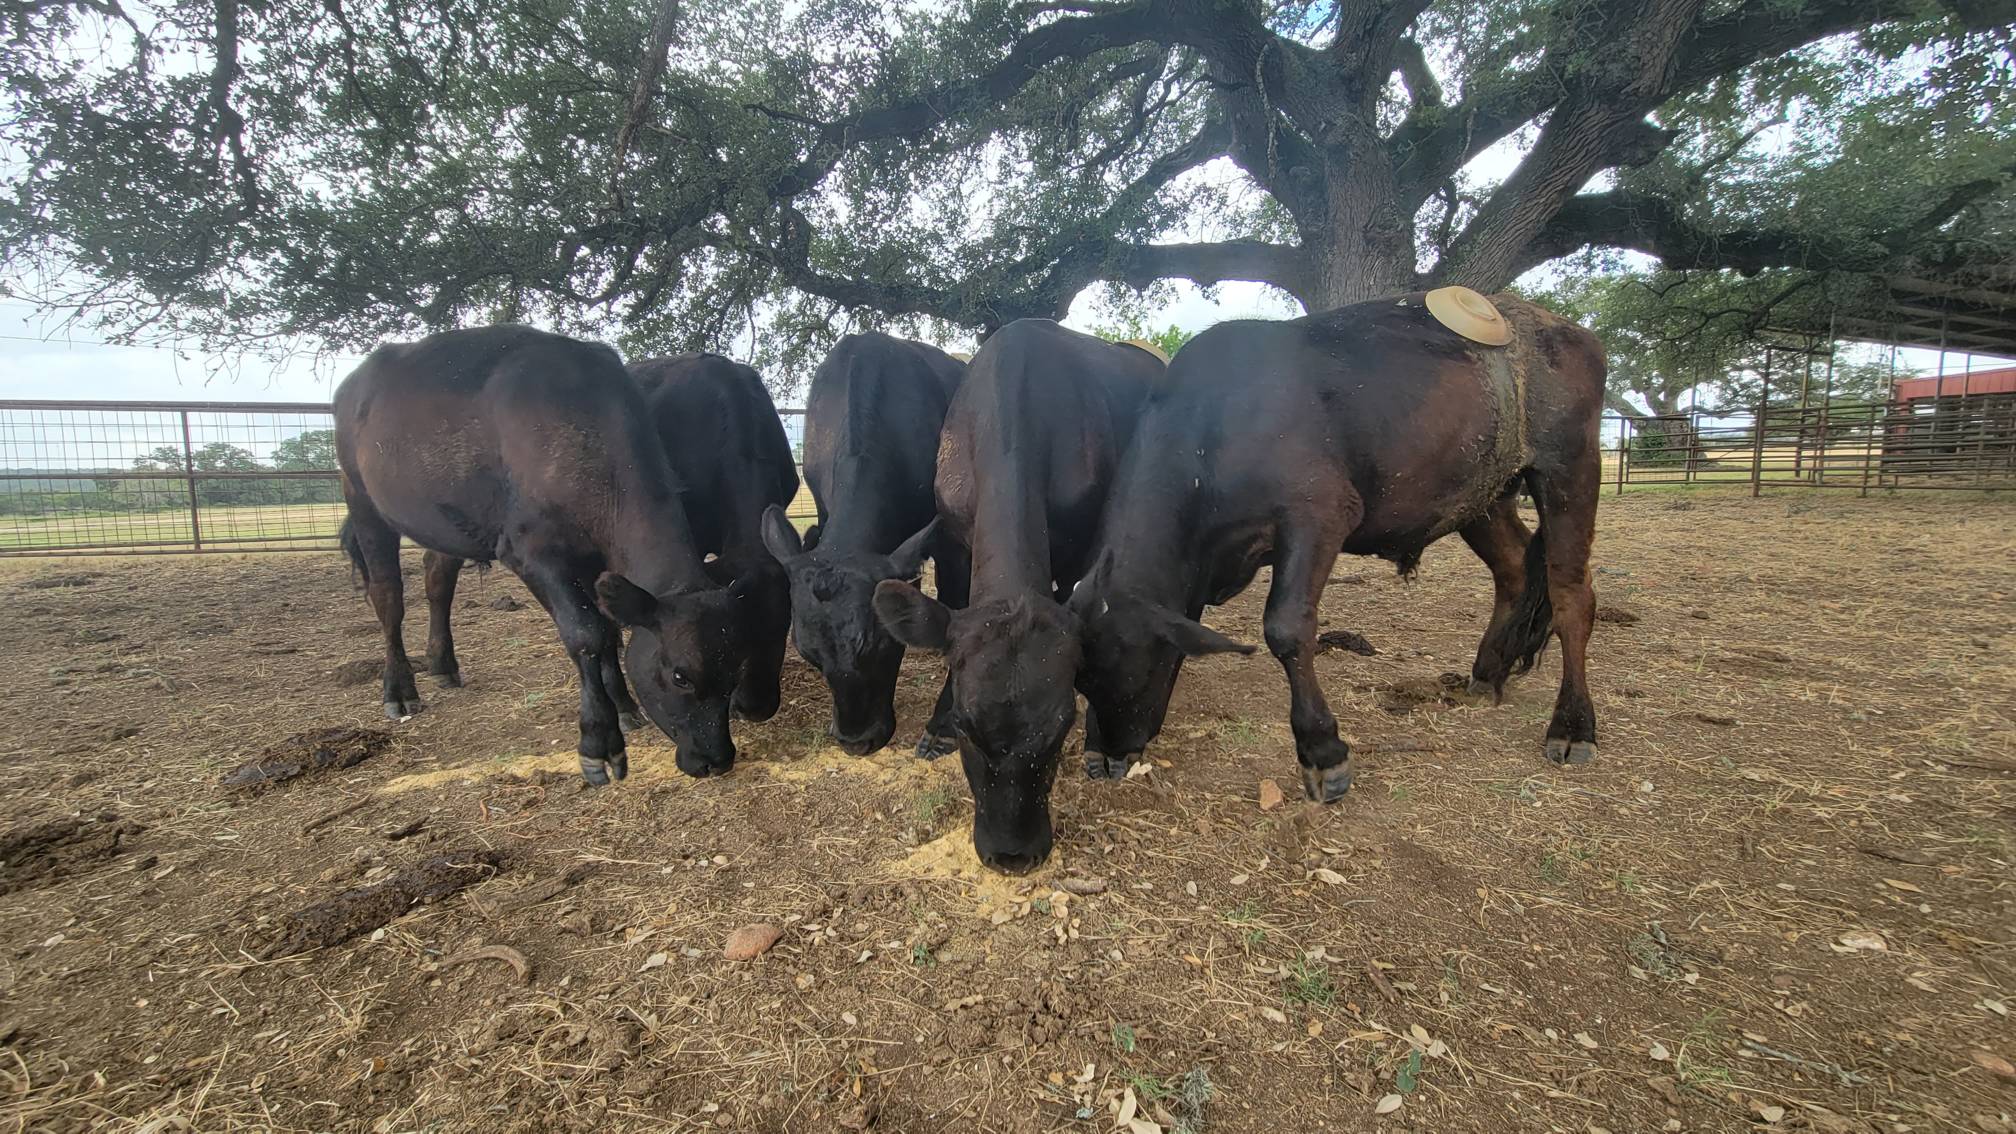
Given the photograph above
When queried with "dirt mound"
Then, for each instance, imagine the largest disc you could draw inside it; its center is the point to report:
(325, 750)
(357, 912)
(45, 853)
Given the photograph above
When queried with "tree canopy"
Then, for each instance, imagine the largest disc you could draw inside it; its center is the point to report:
(1677, 339)
(355, 169)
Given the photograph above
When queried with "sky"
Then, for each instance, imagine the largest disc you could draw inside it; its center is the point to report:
(41, 359)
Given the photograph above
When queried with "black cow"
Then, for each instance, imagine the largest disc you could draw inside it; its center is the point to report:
(1372, 429)
(1029, 450)
(871, 447)
(508, 443)
(728, 450)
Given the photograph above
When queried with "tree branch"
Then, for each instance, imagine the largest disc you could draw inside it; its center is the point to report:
(1435, 142)
(1138, 265)
(1077, 37)
(1659, 227)
(1412, 63)
(649, 67)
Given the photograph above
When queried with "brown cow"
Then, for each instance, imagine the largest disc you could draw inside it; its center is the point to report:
(508, 443)
(1030, 446)
(1373, 430)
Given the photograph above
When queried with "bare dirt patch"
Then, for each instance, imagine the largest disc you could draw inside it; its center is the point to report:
(1780, 899)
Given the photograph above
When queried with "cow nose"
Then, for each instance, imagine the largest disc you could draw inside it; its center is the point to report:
(1015, 862)
(870, 740)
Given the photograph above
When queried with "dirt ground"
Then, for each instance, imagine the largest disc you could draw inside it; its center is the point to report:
(1780, 898)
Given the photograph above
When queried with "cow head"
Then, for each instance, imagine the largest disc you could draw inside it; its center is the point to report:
(833, 621)
(684, 659)
(1011, 664)
(1133, 650)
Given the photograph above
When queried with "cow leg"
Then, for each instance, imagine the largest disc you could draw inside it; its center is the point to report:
(1303, 557)
(443, 571)
(375, 547)
(953, 567)
(1567, 503)
(628, 716)
(592, 641)
(1098, 765)
(1500, 539)
(759, 691)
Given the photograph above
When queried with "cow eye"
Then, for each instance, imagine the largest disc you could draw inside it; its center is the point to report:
(680, 679)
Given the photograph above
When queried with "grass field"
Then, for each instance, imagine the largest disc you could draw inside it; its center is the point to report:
(224, 527)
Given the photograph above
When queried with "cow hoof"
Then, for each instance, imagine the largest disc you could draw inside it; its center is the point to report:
(931, 747)
(1327, 785)
(598, 773)
(400, 710)
(630, 721)
(1481, 688)
(1100, 766)
(1561, 750)
(449, 680)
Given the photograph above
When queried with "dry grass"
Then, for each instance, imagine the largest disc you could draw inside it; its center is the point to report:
(1506, 945)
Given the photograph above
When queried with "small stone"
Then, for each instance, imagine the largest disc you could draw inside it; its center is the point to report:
(1270, 795)
(506, 602)
(751, 941)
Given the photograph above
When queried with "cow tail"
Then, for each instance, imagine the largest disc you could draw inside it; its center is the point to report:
(1518, 643)
(347, 537)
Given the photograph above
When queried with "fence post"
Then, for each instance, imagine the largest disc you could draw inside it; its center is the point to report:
(1757, 445)
(189, 475)
(1623, 450)
(1879, 419)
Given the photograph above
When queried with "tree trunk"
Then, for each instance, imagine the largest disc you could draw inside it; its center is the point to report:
(1368, 249)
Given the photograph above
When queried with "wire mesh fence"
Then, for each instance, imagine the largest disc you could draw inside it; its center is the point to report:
(137, 478)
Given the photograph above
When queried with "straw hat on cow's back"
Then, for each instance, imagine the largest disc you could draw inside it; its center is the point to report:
(1468, 314)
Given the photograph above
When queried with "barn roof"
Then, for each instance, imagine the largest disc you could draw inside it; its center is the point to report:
(1971, 312)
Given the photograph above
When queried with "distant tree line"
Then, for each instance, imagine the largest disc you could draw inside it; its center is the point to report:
(107, 490)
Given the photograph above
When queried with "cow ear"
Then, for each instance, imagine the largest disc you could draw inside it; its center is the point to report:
(914, 618)
(907, 561)
(1196, 639)
(780, 539)
(625, 601)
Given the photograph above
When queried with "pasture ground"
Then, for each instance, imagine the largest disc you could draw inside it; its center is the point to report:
(1780, 899)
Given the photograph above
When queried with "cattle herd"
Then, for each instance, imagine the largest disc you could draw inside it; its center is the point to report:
(1081, 502)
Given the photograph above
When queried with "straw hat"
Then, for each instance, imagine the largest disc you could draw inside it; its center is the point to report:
(1151, 348)
(1469, 314)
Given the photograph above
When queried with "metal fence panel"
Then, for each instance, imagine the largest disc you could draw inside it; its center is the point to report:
(154, 478)
(1946, 443)
(139, 478)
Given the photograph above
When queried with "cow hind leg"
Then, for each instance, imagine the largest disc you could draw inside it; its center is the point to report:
(1305, 552)
(1567, 503)
(443, 572)
(1521, 615)
(374, 547)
